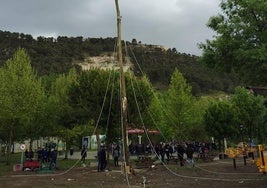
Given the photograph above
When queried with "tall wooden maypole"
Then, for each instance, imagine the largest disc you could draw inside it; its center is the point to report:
(123, 91)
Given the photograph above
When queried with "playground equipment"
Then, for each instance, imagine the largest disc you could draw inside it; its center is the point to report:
(242, 149)
(261, 162)
(245, 150)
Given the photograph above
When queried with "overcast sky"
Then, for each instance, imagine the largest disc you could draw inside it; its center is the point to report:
(179, 24)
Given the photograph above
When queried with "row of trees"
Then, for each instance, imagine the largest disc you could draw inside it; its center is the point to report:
(241, 117)
(73, 105)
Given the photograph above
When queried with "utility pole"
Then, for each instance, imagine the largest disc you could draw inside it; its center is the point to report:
(123, 91)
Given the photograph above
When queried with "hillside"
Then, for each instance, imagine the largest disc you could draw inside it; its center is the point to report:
(58, 55)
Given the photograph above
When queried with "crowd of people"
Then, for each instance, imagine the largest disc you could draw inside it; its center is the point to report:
(167, 151)
(46, 156)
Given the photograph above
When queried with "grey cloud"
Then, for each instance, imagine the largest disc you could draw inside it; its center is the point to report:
(172, 23)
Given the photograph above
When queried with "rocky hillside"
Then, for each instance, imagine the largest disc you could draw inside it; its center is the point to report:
(103, 62)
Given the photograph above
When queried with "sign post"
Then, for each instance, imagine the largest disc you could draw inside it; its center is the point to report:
(22, 147)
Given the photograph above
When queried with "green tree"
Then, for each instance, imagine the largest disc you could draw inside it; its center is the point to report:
(156, 116)
(64, 122)
(178, 107)
(240, 44)
(87, 95)
(96, 97)
(139, 94)
(220, 121)
(21, 98)
(196, 130)
(249, 110)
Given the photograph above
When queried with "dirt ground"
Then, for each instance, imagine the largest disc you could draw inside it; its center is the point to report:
(217, 174)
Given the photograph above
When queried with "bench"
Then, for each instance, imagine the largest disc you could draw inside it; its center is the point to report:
(31, 164)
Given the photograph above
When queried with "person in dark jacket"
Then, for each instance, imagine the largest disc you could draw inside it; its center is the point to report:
(162, 152)
(116, 155)
(39, 154)
(180, 153)
(167, 151)
(83, 154)
(53, 159)
(44, 156)
(101, 155)
(189, 152)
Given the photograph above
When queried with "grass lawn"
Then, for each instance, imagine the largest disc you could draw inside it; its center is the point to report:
(5, 169)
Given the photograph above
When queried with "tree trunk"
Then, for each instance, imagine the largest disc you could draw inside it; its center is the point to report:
(220, 145)
(67, 149)
(108, 153)
(9, 145)
(31, 141)
(97, 139)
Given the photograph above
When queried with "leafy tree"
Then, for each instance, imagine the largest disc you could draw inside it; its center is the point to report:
(249, 110)
(178, 106)
(139, 94)
(220, 120)
(156, 115)
(223, 118)
(240, 44)
(96, 97)
(21, 98)
(64, 122)
(196, 130)
(87, 96)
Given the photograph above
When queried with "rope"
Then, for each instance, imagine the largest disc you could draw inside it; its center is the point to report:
(110, 103)
(102, 107)
(139, 112)
(112, 91)
(154, 95)
(136, 61)
(151, 116)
